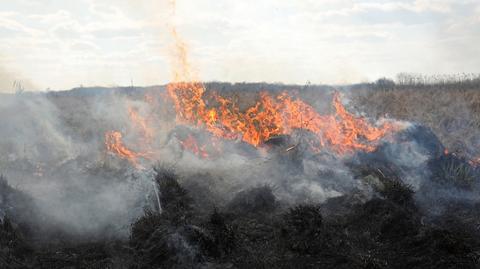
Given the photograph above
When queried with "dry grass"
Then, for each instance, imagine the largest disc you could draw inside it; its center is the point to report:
(451, 110)
(452, 114)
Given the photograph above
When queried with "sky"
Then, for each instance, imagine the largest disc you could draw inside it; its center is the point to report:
(61, 44)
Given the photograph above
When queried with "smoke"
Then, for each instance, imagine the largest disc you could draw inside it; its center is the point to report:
(10, 82)
(54, 150)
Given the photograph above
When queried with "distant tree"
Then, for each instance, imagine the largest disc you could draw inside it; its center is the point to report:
(384, 84)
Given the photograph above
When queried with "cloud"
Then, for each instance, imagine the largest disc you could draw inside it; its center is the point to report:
(84, 46)
(57, 44)
(8, 21)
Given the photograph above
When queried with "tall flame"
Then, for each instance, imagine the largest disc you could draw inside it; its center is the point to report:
(271, 116)
(341, 132)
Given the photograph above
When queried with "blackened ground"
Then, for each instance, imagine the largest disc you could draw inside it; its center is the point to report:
(254, 230)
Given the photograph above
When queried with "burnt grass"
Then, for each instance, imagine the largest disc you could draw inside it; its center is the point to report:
(255, 230)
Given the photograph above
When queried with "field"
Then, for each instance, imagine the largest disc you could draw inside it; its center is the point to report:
(452, 113)
(409, 199)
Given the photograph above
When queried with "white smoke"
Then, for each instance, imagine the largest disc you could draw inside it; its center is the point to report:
(53, 149)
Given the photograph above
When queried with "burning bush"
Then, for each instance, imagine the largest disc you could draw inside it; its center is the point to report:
(197, 225)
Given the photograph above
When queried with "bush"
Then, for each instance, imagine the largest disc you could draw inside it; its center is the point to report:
(254, 200)
(13, 247)
(223, 234)
(452, 170)
(398, 192)
(302, 229)
(174, 199)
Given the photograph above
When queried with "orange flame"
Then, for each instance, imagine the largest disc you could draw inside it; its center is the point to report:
(269, 117)
(272, 116)
(141, 124)
(191, 144)
(114, 144)
(342, 132)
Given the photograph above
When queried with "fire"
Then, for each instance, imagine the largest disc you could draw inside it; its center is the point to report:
(191, 144)
(145, 133)
(141, 124)
(272, 116)
(114, 144)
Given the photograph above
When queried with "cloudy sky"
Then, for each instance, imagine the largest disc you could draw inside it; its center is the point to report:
(60, 44)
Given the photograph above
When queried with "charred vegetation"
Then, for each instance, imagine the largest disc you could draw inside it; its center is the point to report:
(387, 230)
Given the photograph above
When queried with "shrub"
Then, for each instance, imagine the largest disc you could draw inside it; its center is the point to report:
(397, 192)
(254, 200)
(451, 170)
(302, 229)
(177, 205)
